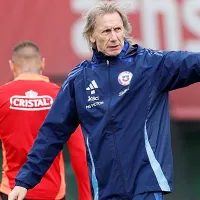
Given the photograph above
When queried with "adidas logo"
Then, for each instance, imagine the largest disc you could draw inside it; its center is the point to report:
(93, 85)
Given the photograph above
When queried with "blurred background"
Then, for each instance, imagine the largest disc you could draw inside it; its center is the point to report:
(55, 25)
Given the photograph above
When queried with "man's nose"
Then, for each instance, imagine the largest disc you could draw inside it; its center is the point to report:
(113, 36)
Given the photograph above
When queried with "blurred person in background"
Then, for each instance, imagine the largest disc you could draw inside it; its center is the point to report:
(120, 98)
(24, 104)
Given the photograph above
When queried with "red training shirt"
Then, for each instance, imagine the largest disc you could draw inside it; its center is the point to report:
(24, 104)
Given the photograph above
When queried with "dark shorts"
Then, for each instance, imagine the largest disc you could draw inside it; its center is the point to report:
(5, 197)
(149, 196)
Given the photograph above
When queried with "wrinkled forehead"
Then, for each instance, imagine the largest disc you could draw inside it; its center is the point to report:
(109, 20)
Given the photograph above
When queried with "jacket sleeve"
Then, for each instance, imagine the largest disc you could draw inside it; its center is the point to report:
(61, 121)
(173, 69)
(77, 152)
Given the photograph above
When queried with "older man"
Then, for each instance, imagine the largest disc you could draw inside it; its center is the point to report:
(120, 98)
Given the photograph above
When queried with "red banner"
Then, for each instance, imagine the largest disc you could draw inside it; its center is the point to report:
(56, 27)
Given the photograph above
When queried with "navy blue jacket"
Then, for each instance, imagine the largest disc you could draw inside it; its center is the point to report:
(122, 105)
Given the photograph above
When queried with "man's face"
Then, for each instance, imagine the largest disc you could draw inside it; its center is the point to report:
(109, 34)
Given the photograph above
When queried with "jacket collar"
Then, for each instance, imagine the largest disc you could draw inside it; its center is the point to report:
(128, 50)
(29, 76)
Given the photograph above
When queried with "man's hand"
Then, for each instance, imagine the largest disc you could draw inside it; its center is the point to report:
(18, 193)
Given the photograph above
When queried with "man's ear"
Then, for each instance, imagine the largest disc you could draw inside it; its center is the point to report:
(42, 64)
(92, 39)
(12, 66)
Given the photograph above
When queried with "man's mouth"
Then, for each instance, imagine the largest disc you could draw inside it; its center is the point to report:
(113, 47)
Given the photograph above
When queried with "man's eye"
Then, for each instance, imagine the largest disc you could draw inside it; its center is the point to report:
(117, 29)
(106, 31)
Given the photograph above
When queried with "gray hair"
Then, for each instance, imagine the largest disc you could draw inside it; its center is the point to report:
(104, 7)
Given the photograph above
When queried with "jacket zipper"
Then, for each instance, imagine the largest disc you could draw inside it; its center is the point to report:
(110, 115)
(110, 89)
